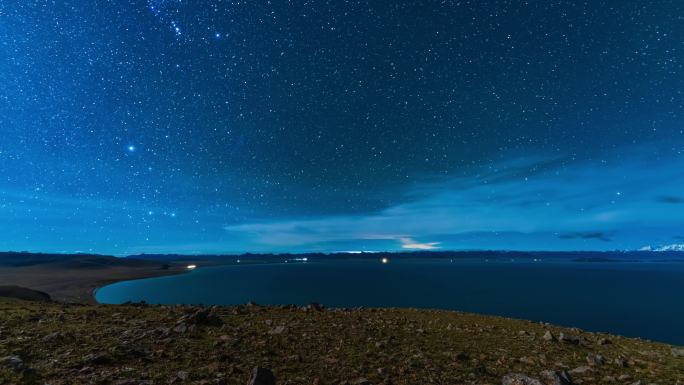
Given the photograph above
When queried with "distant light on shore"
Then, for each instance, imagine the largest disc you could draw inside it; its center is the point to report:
(191, 267)
(385, 260)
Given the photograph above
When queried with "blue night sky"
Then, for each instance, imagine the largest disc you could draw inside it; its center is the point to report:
(185, 126)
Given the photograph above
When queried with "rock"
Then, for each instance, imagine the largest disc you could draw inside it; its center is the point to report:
(462, 356)
(13, 362)
(53, 337)
(609, 379)
(604, 341)
(581, 371)
(624, 377)
(621, 362)
(552, 377)
(314, 306)
(362, 381)
(568, 338)
(200, 317)
(181, 328)
(519, 379)
(96, 359)
(548, 336)
(182, 375)
(638, 383)
(278, 330)
(262, 376)
(595, 359)
(678, 352)
(132, 382)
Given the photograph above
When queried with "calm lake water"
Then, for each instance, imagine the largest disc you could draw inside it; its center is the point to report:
(637, 299)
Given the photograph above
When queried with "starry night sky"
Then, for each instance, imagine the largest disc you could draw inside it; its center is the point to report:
(226, 126)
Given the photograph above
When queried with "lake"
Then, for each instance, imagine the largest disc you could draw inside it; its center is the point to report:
(636, 299)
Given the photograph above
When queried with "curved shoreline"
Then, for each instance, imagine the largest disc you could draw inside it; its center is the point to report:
(101, 284)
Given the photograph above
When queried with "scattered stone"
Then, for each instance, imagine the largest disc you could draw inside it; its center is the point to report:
(604, 341)
(278, 330)
(624, 377)
(548, 336)
(262, 376)
(609, 379)
(12, 362)
(462, 356)
(678, 352)
(639, 382)
(519, 379)
(574, 340)
(552, 377)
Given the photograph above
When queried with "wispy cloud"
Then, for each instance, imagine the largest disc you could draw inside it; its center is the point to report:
(557, 199)
(670, 199)
(410, 244)
(600, 235)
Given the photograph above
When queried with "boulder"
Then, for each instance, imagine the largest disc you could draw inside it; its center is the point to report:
(552, 377)
(678, 352)
(574, 340)
(262, 376)
(519, 379)
(548, 336)
(12, 362)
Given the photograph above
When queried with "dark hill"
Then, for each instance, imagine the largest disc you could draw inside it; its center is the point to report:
(18, 292)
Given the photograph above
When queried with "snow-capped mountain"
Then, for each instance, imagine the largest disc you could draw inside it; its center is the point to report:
(672, 247)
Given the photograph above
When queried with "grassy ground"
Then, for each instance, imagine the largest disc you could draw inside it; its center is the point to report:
(128, 344)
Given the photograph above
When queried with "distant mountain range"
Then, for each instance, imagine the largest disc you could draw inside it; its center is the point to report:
(91, 261)
(674, 247)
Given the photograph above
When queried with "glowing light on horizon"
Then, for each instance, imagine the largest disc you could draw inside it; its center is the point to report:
(191, 267)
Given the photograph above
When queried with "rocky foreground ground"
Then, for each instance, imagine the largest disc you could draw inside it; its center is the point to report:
(49, 343)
